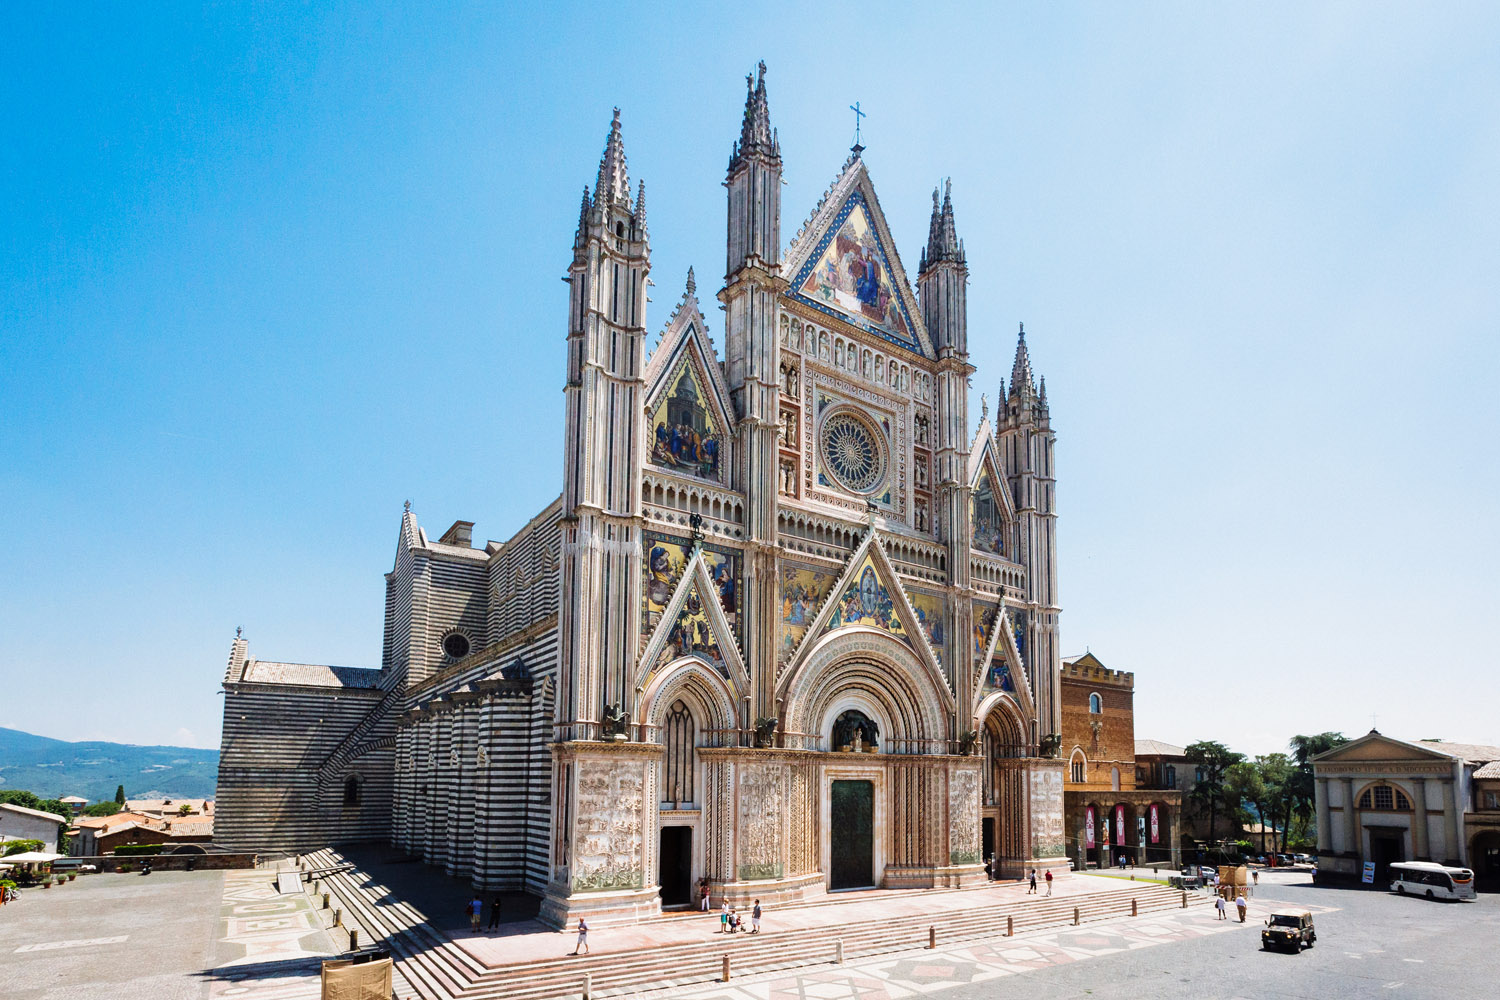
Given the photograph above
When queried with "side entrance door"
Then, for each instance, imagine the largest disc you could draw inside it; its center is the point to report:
(676, 866)
(852, 835)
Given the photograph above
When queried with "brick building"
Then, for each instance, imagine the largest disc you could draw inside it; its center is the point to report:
(1108, 814)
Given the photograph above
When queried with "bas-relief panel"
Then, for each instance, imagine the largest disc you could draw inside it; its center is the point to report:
(932, 615)
(1047, 839)
(762, 789)
(666, 558)
(850, 274)
(867, 601)
(802, 591)
(685, 437)
(963, 818)
(986, 515)
(607, 854)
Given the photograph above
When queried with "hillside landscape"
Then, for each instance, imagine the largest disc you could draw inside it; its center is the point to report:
(54, 768)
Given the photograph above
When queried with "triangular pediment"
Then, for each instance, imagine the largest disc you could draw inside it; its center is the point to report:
(694, 622)
(1374, 746)
(991, 510)
(1005, 670)
(844, 264)
(687, 413)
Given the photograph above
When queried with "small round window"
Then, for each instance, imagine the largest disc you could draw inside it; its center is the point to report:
(456, 645)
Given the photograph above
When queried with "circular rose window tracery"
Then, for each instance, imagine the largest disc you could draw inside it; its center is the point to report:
(852, 453)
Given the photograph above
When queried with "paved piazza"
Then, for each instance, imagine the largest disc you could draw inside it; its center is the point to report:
(213, 935)
(1370, 944)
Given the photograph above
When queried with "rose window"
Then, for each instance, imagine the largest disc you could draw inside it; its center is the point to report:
(852, 453)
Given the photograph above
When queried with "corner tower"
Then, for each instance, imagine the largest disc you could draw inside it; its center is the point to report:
(752, 281)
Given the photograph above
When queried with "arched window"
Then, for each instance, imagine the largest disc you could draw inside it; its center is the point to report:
(1096, 704)
(1114, 779)
(679, 738)
(1383, 797)
(351, 792)
(1078, 766)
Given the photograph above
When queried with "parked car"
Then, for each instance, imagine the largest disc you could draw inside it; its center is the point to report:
(1289, 930)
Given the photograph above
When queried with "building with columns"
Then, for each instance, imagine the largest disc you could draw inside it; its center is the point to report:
(790, 626)
(1382, 800)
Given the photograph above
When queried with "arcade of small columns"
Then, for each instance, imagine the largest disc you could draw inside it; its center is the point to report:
(1137, 805)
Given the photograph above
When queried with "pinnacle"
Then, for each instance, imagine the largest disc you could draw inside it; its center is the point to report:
(692, 284)
(640, 206)
(613, 183)
(942, 234)
(756, 134)
(1020, 371)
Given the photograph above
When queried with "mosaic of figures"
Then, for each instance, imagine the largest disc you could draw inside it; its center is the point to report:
(802, 591)
(932, 614)
(666, 558)
(985, 616)
(987, 516)
(851, 273)
(693, 635)
(867, 601)
(685, 435)
(998, 677)
(1018, 622)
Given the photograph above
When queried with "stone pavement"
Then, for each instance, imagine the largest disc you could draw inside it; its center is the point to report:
(271, 946)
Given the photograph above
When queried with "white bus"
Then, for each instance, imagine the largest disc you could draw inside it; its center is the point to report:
(1434, 881)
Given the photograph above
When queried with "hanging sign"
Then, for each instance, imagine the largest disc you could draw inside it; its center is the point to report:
(1088, 827)
(1120, 826)
(1155, 825)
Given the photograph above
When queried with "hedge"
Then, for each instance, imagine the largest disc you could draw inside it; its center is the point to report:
(129, 849)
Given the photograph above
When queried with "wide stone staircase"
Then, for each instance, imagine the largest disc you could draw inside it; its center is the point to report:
(432, 967)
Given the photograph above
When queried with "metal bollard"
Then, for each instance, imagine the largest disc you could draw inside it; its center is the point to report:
(338, 917)
(353, 938)
(1133, 911)
(838, 952)
(588, 984)
(1184, 899)
(931, 936)
(1075, 916)
(325, 900)
(726, 969)
(1010, 926)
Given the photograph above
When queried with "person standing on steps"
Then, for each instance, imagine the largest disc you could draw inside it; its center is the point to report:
(1049, 881)
(1031, 891)
(755, 918)
(724, 918)
(495, 912)
(583, 936)
(476, 910)
(703, 895)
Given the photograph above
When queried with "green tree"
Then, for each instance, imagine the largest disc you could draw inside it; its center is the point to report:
(1276, 774)
(1301, 793)
(120, 795)
(21, 847)
(1210, 759)
(102, 809)
(21, 797)
(1242, 784)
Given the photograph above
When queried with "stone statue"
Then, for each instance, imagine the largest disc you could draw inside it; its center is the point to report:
(765, 731)
(968, 742)
(1050, 746)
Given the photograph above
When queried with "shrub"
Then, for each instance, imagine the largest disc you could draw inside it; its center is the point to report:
(21, 847)
(134, 849)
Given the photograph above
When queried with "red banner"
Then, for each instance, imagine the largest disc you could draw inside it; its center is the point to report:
(1155, 824)
(1120, 826)
(1088, 827)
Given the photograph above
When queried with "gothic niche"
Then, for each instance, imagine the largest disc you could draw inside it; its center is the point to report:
(678, 737)
(855, 732)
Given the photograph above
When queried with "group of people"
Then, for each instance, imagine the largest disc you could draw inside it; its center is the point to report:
(476, 912)
(1240, 904)
(730, 922)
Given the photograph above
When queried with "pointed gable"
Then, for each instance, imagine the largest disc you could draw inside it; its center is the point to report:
(844, 264)
(990, 508)
(691, 610)
(687, 417)
(867, 600)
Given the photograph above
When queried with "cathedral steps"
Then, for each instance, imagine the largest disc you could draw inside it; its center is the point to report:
(435, 968)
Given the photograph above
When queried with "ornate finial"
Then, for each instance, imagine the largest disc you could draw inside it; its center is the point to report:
(692, 284)
(858, 114)
(406, 507)
(239, 631)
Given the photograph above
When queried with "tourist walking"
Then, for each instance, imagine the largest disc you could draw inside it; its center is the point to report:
(1241, 905)
(1219, 905)
(755, 918)
(1032, 879)
(1255, 876)
(476, 910)
(495, 912)
(724, 918)
(1049, 881)
(583, 936)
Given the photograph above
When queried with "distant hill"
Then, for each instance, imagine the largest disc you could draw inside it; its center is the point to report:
(54, 768)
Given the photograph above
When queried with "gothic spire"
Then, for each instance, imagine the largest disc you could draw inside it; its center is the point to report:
(1020, 371)
(756, 134)
(942, 235)
(613, 183)
(640, 207)
(692, 284)
(583, 217)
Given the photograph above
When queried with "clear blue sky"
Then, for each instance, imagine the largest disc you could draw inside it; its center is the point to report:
(267, 272)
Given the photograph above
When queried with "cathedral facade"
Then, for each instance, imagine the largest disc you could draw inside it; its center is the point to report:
(790, 627)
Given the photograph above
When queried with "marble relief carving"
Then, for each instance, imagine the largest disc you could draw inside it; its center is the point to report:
(1047, 840)
(963, 818)
(608, 852)
(762, 789)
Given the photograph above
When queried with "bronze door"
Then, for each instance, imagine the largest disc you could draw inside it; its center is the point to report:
(852, 835)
